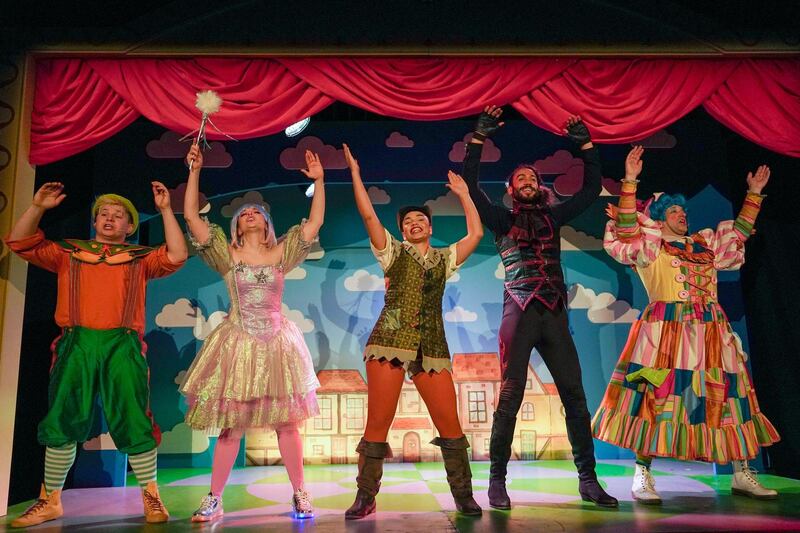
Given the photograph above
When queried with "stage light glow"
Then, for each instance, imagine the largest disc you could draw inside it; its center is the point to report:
(297, 128)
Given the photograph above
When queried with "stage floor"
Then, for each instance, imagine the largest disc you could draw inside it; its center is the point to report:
(415, 497)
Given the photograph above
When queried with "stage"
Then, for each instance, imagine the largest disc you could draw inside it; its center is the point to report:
(415, 497)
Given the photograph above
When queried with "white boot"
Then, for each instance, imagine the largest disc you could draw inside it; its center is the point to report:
(643, 489)
(745, 483)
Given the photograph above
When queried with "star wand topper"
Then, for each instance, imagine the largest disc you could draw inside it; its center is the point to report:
(208, 102)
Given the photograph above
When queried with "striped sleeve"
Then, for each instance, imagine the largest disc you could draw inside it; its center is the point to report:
(743, 225)
(627, 223)
(640, 249)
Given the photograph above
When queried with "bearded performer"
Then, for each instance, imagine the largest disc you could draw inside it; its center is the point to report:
(534, 302)
(681, 388)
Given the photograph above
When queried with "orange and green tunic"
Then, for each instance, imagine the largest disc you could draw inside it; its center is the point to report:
(681, 387)
(100, 308)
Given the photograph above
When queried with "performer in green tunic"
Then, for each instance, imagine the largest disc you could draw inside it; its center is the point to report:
(409, 337)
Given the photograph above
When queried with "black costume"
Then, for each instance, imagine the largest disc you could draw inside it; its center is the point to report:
(535, 316)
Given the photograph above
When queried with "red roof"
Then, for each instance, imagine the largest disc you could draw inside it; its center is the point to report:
(411, 423)
(333, 381)
(550, 388)
(471, 367)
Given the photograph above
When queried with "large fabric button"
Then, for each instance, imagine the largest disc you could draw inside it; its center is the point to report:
(680, 278)
(683, 295)
(675, 262)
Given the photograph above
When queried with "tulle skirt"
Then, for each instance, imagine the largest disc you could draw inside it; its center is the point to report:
(240, 381)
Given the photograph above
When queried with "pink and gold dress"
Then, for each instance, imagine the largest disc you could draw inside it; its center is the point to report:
(254, 369)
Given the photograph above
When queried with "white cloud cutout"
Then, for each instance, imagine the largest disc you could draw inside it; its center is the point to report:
(398, 140)
(296, 273)
(306, 325)
(455, 278)
(180, 378)
(363, 281)
(183, 439)
(378, 196)
(101, 442)
(181, 314)
(316, 252)
(500, 271)
(447, 205)
(203, 327)
(603, 308)
(573, 239)
(459, 314)
(250, 197)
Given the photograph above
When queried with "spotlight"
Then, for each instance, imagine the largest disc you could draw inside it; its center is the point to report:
(297, 128)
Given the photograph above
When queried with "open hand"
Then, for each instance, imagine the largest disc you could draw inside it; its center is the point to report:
(352, 162)
(457, 184)
(49, 195)
(633, 163)
(314, 170)
(194, 158)
(160, 195)
(756, 182)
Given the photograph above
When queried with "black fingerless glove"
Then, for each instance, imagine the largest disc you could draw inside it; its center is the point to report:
(579, 133)
(486, 126)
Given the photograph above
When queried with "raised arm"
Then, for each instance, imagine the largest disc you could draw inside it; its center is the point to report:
(375, 230)
(468, 243)
(191, 200)
(176, 244)
(493, 216)
(631, 238)
(727, 242)
(48, 196)
(316, 215)
(578, 133)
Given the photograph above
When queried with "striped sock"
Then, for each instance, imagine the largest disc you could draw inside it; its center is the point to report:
(144, 466)
(57, 462)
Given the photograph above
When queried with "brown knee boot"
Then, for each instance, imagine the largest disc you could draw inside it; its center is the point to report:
(370, 471)
(459, 475)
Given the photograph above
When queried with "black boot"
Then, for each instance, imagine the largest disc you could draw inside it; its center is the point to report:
(459, 475)
(580, 437)
(370, 471)
(499, 454)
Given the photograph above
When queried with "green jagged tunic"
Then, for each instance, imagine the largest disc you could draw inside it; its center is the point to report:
(410, 324)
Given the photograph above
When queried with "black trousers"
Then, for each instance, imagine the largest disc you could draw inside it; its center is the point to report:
(547, 331)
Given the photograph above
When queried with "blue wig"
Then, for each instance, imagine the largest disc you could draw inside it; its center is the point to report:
(658, 209)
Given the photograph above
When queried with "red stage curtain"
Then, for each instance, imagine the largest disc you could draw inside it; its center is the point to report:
(73, 109)
(428, 88)
(761, 102)
(80, 102)
(624, 100)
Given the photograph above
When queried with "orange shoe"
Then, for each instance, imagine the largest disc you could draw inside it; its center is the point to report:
(154, 510)
(47, 507)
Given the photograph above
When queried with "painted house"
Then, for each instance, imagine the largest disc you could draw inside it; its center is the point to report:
(540, 432)
(332, 436)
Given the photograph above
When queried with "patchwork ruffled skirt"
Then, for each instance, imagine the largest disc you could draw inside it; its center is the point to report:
(681, 389)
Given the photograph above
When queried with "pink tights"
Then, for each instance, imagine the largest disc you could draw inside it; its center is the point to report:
(227, 448)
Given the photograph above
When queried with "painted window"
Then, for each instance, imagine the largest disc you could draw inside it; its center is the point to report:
(477, 406)
(319, 449)
(324, 419)
(355, 413)
(527, 411)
